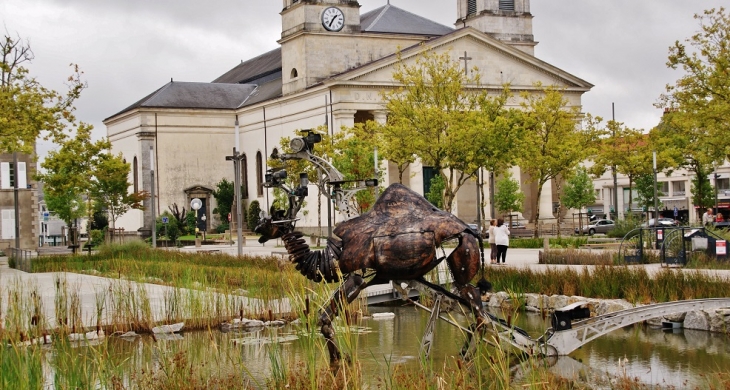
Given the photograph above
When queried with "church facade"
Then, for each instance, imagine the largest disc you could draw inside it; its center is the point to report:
(330, 68)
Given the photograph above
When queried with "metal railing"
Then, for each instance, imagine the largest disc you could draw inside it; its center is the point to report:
(21, 258)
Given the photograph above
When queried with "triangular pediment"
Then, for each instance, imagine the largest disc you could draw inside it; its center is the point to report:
(498, 63)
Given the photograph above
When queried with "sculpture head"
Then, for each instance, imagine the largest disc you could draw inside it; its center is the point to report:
(274, 226)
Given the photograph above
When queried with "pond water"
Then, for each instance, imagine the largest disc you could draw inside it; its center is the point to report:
(677, 359)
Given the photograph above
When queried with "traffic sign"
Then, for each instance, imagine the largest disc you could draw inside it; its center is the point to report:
(165, 219)
(229, 217)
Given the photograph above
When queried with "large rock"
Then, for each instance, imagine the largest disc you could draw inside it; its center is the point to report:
(698, 320)
(537, 303)
(612, 305)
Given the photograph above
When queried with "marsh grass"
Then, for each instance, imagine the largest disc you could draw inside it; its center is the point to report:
(261, 277)
(613, 282)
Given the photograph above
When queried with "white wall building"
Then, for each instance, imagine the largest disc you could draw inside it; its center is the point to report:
(330, 68)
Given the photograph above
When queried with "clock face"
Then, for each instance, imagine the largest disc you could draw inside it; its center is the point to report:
(333, 19)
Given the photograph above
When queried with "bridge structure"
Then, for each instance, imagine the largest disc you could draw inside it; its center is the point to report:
(572, 326)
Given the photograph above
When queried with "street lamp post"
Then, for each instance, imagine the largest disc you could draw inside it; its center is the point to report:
(656, 197)
(152, 193)
(236, 158)
(716, 176)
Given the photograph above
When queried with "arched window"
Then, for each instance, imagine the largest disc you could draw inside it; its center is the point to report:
(135, 175)
(294, 73)
(244, 177)
(259, 174)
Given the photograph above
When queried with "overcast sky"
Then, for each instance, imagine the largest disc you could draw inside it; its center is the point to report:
(129, 48)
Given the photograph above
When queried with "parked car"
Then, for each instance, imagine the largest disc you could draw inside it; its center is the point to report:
(474, 228)
(669, 222)
(598, 226)
(517, 225)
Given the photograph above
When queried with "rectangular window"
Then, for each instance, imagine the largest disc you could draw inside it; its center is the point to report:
(8, 175)
(678, 188)
(507, 5)
(8, 224)
(723, 184)
(663, 188)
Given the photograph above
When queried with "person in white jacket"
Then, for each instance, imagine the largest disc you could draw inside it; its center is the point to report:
(501, 238)
(492, 243)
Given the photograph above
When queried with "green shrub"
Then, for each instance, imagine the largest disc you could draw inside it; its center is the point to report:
(173, 230)
(222, 228)
(254, 211)
(97, 237)
(624, 226)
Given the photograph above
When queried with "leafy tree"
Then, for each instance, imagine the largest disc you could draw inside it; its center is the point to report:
(552, 144)
(435, 115)
(579, 192)
(627, 151)
(67, 206)
(435, 193)
(70, 171)
(685, 145)
(701, 97)
(352, 154)
(28, 108)
(224, 195)
(703, 193)
(508, 196)
(254, 217)
(110, 186)
(645, 192)
(190, 222)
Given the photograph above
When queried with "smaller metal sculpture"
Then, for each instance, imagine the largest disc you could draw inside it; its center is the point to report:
(395, 241)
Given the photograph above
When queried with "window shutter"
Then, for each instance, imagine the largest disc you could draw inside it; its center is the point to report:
(507, 5)
(471, 7)
(5, 175)
(22, 177)
(8, 224)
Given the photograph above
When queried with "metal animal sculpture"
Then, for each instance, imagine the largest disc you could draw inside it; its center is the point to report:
(396, 240)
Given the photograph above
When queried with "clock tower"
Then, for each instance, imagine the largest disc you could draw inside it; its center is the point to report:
(314, 38)
(509, 21)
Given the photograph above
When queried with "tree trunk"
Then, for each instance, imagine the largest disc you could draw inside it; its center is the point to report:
(537, 207)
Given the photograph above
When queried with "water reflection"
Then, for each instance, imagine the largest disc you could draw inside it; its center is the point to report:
(679, 359)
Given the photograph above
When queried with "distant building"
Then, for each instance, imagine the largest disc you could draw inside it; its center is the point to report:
(19, 230)
(329, 69)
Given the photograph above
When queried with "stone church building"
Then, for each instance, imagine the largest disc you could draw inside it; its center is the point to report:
(331, 64)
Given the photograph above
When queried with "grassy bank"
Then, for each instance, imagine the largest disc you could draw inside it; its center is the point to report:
(261, 277)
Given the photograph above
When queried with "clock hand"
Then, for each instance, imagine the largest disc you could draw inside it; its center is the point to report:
(331, 21)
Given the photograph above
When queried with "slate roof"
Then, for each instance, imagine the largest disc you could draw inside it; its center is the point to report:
(248, 72)
(390, 19)
(195, 95)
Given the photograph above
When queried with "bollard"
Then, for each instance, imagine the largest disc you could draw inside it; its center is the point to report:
(546, 243)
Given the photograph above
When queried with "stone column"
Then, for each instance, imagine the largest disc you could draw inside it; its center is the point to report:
(146, 140)
(343, 118)
(381, 116)
(546, 202)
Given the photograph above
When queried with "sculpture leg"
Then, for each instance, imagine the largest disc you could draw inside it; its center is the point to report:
(346, 293)
(464, 265)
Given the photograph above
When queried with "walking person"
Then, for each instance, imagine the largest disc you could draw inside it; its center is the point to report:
(492, 243)
(501, 238)
(708, 218)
